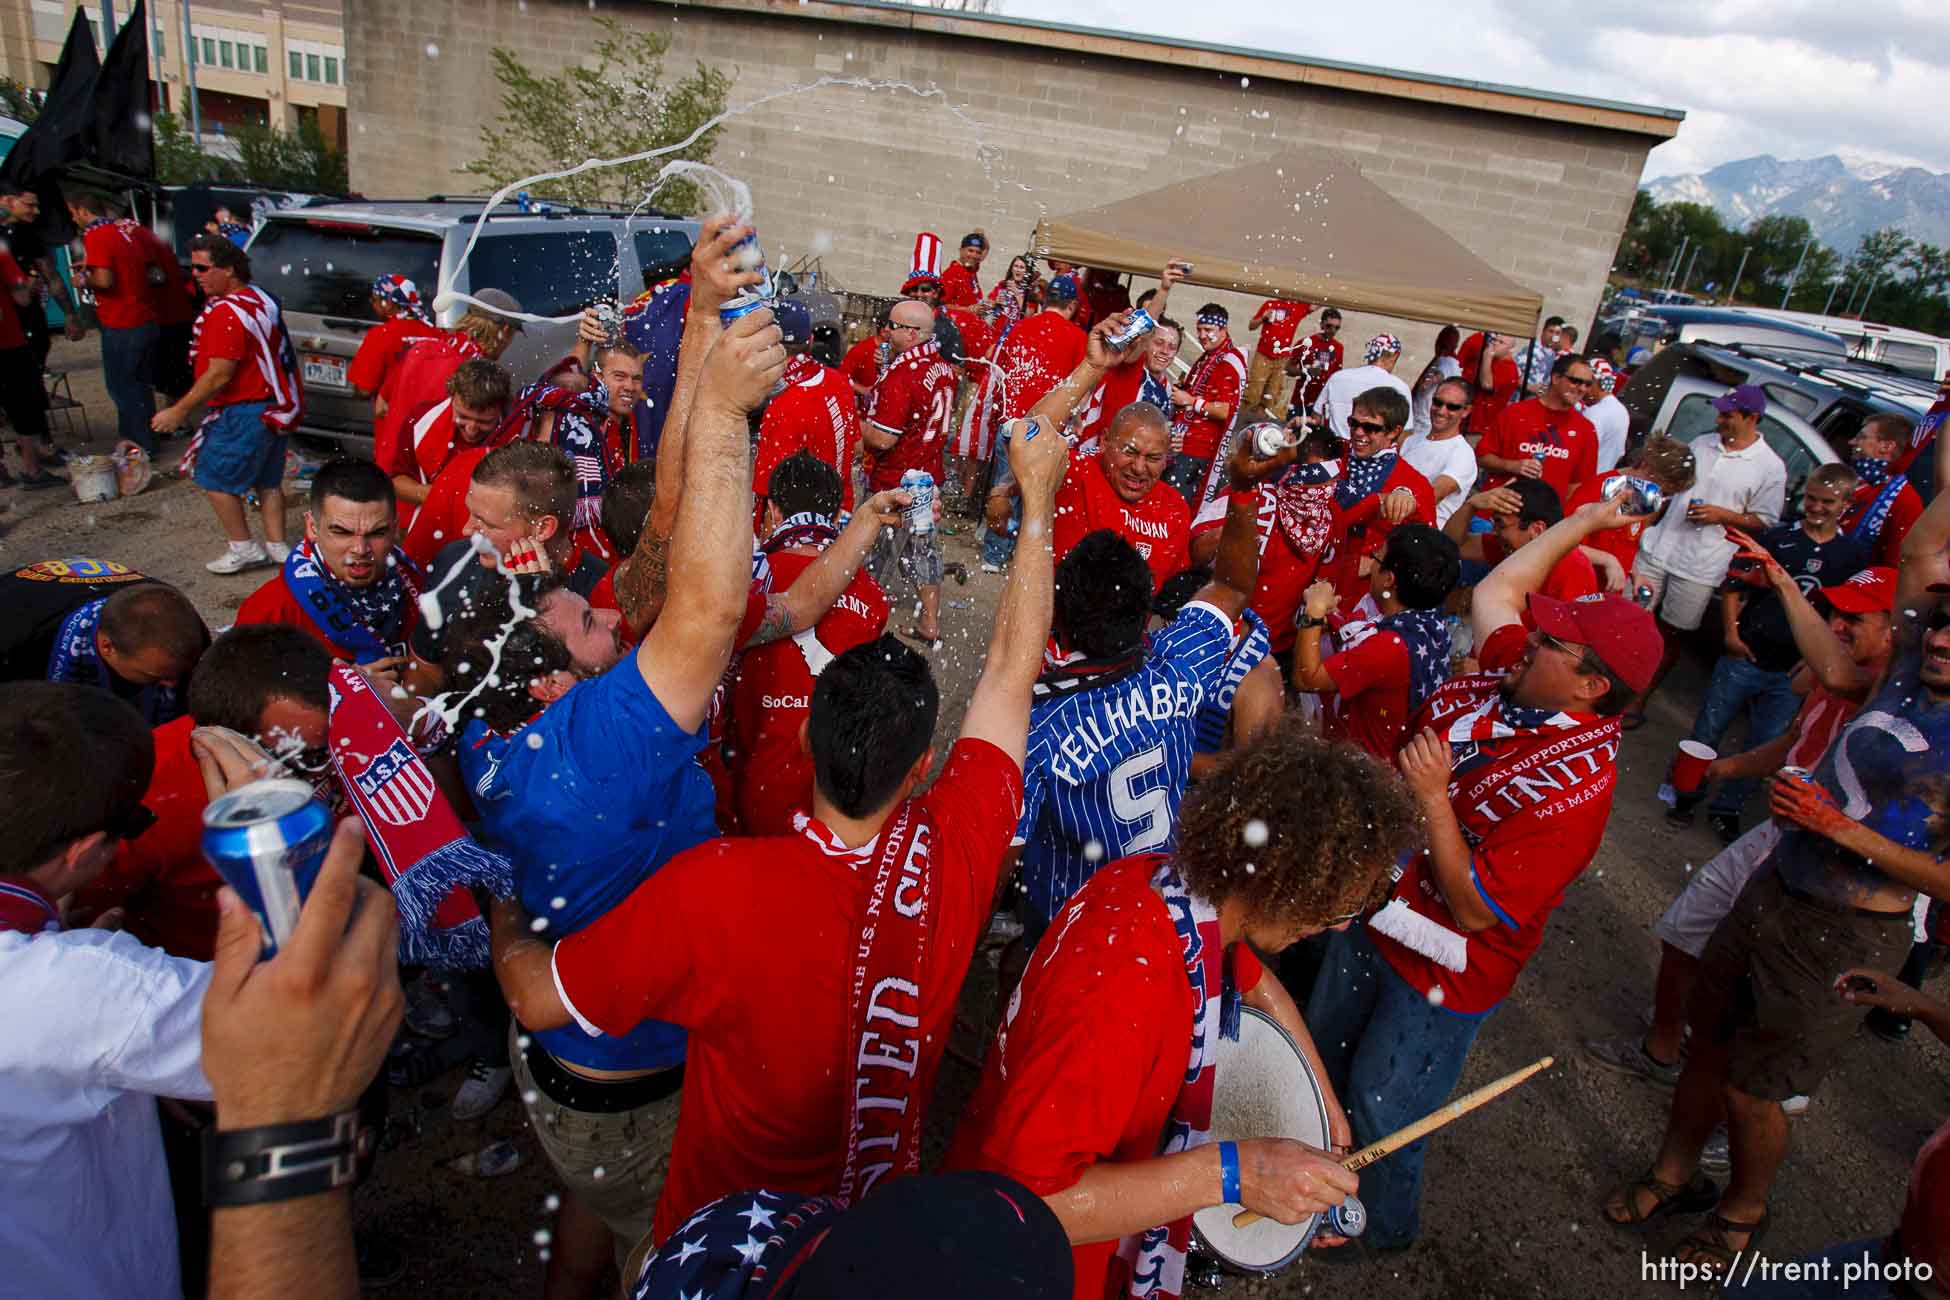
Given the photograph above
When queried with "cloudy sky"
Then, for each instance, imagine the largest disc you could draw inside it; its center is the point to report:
(1794, 78)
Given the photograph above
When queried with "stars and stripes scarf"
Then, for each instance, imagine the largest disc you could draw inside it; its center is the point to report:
(371, 622)
(1363, 477)
(719, 1255)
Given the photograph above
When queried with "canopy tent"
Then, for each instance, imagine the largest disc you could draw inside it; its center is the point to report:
(1305, 224)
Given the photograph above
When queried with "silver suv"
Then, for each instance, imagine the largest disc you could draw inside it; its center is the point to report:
(320, 262)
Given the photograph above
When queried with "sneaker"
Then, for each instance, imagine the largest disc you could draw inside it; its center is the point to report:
(1628, 1056)
(990, 568)
(278, 551)
(427, 1012)
(481, 1091)
(1725, 825)
(240, 556)
(1714, 1157)
(1796, 1106)
(382, 1261)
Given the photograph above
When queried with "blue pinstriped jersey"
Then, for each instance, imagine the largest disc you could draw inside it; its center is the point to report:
(1107, 765)
(1251, 646)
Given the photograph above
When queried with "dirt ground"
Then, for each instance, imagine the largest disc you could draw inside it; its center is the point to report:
(1511, 1192)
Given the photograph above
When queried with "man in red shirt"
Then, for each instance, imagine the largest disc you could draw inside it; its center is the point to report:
(867, 913)
(247, 383)
(402, 319)
(1314, 362)
(478, 395)
(418, 381)
(23, 398)
(863, 360)
(1277, 320)
(1206, 405)
(1529, 749)
(1097, 1093)
(1376, 491)
(117, 272)
(1385, 669)
(1489, 362)
(1520, 512)
(1036, 355)
(771, 774)
(912, 406)
(1120, 489)
(346, 584)
(1546, 437)
(1886, 503)
(815, 412)
(960, 283)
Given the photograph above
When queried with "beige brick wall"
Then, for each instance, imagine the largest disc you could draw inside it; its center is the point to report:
(858, 173)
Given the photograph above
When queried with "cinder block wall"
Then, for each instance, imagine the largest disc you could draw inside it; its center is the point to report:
(855, 173)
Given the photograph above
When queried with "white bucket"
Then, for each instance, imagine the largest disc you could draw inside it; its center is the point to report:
(93, 477)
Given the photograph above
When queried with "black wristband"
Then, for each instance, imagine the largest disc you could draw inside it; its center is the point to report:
(1306, 621)
(253, 1166)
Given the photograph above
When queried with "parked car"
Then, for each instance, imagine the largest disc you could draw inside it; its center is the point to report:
(1815, 404)
(1913, 352)
(321, 262)
(1654, 327)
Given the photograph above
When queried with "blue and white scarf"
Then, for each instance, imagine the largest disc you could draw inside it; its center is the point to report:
(1874, 469)
(371, 622)
(77, 658)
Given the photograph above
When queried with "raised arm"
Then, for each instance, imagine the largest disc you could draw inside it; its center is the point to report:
(1500, 597)
(1926, 547)
(685, 651)
(1830, 663)
(1098, 356)
(998, 711)
(813, 592)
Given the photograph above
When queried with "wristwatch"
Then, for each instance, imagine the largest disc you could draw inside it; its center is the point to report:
(1308, 620)
(253, 1166)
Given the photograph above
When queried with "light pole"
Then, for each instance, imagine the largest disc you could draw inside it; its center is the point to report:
(1833, 286)
(1795, 274)
(1735, 286)
(189, 74)
(1691, 262)
(108, 23)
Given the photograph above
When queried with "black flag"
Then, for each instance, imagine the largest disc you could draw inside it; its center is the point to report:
(119, 137)
(59, 136)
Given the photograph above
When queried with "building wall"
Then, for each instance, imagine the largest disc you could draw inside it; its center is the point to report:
(854, 174)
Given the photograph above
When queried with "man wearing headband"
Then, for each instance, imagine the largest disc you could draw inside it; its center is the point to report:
(402, 318)
(1207, 404)
(959, 285)
(1336, 401)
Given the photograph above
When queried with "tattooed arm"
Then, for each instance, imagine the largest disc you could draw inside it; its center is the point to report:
(806, 601)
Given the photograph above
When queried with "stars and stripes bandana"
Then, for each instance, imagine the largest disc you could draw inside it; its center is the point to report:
(744, 1244)
(1425, 634)
(403, 294)
(1363, 477)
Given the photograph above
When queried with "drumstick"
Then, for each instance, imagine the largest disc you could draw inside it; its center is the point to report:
(1422, 1127)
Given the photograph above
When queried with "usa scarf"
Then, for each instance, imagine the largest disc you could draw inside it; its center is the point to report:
(1363, 477)
(807, 528)
(1156, 1257)
(372, 621)
(1869, 527)
(1496, 719)
(595, 441)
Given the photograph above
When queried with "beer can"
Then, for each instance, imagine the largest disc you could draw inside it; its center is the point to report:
(1799, 774)
(611, 317)
(1140, 324)
(1269, 439)
(1644, 497)
(919, 514)
(746, 255)
(267, 840)
(743, 305)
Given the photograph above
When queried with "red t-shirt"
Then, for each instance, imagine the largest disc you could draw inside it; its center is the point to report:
(757, 971)
(220, 332)
(117, 246)
(1567, 441)
(1504, 376)
(1218, 376)
(1534, 807)
(914, 400)
(1902, 516)
(1369, 706)
(1090, 1060)
(1279, 320)
(1360, 529)
(161, 877)
(861, 365)
(1039, 354)
(381, 348)
(274, 603)
(1622, 544)
(11, 278)
(1569, 578)
(417, 384)
(815, 413)
(442, 517)
(1286, 571)
(771, 776)
(1159, 526)
(1321, 357)
(959, 288)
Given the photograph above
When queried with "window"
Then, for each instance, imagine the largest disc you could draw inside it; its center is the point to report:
(156, 46)
(261, 59)
(661, 253)
(328, 270)
(311, 68)
(225, 53)
(551, 272)
(331, 71)
(209, 52)
(1917, 359)
(297, 66)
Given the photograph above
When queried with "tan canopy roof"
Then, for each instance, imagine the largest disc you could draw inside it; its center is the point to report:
(1305, 224)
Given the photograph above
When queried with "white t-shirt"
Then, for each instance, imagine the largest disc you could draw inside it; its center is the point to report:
(1445, 368)
(1337, 396)
(98, 1027)
(1451, 456)
(1752, 481)
(1614, 425)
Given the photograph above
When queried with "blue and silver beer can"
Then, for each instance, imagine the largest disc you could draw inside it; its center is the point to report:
(1643, 496)
(1140, 324)
(743, 305)
(919, 514)
(267, 840)
(748, 256)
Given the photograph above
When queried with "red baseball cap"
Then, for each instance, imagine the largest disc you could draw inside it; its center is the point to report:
(1623, 635)
(1872, 591)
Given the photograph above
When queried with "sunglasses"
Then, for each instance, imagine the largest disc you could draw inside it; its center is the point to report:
(1585, 382)
(1441, 405)
(1580, 653)
(198, 268)
(1366, 426)
(1939, 619)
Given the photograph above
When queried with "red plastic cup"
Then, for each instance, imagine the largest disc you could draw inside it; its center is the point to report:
(1689, 766)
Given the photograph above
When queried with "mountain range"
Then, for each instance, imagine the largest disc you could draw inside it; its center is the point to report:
(1843, 196)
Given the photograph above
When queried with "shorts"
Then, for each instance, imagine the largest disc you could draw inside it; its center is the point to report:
(239, 452)
(1679, 602)
(903, 550)
(1707, 898)
(613, 1162)
(1767, 984)
(22, 398)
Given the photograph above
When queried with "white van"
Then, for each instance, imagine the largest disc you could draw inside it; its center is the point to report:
(1911, 351)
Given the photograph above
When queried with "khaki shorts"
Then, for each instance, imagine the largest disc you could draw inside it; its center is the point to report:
(1712, 891)
(1767, 984)
(613, 1163)
(1679, 602)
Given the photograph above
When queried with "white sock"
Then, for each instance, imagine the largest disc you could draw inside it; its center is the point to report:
(244, 547)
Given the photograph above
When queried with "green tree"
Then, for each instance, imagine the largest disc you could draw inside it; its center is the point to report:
(1880, 252)
(182, 160)
(1928, 266)
(292, 160)
(22, 103)
(619, 107)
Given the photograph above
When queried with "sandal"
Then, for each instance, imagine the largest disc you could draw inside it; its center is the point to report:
(1702, 1193)
(1707, 1249)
